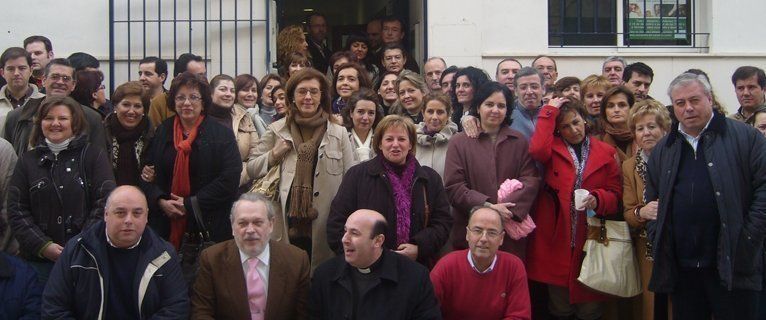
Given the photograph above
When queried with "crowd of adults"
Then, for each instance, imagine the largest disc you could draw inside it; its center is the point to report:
(353, 186)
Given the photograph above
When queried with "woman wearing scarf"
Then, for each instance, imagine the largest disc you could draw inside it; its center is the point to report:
(411, 197)
(361, 117)
(59, 187)
(475, 168)
(313, 154)
(614, 121)
(411, 88)
(650, 121)
(572, 160)
(129, 132)
(197, 167)
(435, 131)
(348, 78)
(230, 115)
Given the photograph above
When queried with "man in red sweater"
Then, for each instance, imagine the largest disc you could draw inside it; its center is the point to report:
(480, 282)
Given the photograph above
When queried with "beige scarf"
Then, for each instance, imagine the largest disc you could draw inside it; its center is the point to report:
(301, 192)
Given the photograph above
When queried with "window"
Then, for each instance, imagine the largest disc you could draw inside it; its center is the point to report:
(642, 23)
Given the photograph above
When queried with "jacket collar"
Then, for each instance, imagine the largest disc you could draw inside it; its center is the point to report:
(717, 126)
(375, 168)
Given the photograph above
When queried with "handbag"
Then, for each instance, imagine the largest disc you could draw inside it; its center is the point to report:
(610, 264)
(193, 244)
(268, 185)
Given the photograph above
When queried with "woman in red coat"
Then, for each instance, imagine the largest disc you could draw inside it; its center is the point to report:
(573, 160)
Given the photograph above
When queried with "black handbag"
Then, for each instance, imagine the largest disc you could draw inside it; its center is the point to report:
(192, 245)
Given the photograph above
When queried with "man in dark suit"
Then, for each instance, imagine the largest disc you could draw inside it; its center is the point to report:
(251, 277)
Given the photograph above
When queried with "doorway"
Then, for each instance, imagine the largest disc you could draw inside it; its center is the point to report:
(345, 18)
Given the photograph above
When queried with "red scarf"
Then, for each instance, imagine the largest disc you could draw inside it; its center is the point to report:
(181, 185)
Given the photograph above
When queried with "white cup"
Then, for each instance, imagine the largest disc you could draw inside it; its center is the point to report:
(579, 198)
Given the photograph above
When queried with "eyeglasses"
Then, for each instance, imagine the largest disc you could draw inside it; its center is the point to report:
(303, 91)
(479, 232)
(56, 77)
(191, 98)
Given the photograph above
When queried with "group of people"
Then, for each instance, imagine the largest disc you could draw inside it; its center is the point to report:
(352, 186)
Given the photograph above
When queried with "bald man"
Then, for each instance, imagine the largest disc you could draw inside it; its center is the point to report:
(368, 281)
(114, 263)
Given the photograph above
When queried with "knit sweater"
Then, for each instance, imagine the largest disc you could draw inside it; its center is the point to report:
(463, 293)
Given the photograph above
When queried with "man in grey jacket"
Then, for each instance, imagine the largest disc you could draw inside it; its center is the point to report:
(709, 176)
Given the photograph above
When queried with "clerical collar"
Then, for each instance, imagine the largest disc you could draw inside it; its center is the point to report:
(109, 241)
(473, 265)
(373, 267)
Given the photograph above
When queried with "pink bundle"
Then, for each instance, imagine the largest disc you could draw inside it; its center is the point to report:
(516, 230)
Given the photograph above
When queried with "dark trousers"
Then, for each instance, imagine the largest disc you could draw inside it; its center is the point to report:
(699, 294)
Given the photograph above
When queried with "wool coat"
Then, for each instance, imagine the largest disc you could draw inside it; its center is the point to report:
(551, 258)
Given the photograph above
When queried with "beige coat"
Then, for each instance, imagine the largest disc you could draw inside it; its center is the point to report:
(336, 156)
(432, 151)
(247, 137)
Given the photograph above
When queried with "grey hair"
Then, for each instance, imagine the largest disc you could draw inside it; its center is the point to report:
(527, 71)
(437, 58)
(253, 197)
(687, 78)
(486, 206)
(614, 58)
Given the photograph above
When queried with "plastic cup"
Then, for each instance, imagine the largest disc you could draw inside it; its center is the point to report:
(579, 198)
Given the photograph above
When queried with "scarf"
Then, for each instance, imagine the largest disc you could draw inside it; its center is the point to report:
(401, 184)
(338, 105)
(267, 114)
(221, 115)
(362, 147)
(181, 185)
(301, 207)
(579, 167)
(620, 136)
(127, 145)
(642, 170)
(58, 147)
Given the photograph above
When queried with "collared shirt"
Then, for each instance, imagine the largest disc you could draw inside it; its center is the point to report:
(262, 267)
(20, 102)
(694, 141)
(109, 241)
(473, 265)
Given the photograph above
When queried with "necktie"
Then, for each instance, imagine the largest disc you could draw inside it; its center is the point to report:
(256, 291)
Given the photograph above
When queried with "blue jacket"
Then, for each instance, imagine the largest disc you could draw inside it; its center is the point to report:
(77, 284)
(19, 289)
(736, 162)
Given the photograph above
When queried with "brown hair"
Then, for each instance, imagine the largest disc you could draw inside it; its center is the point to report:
(194, 81)
(262, 84)
(361, 95)
(88, 83)
(649, 107)
(361, 74)
(576, 107)
(564, 83)
(132, 88)
(79, 125)
(325, 102)
(440, 97)
(289, 41)
(394, 121)
(217, 80)
(613, 92)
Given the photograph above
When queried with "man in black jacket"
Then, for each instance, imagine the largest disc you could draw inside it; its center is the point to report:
(117, 269)
(709, 176)
(370, 282)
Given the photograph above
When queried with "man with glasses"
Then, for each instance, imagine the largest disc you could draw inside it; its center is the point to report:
(158, 109)
(15, 68)
(482, 282)
(59, 81)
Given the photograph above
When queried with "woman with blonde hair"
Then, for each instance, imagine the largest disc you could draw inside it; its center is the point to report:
(291, 39)
(649, 121)
(411, 88)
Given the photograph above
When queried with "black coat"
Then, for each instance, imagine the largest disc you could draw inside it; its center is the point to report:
(404, 291)
(47, 198)
(365, 186)
(736, 155)
(214, 169)
(79, 280)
